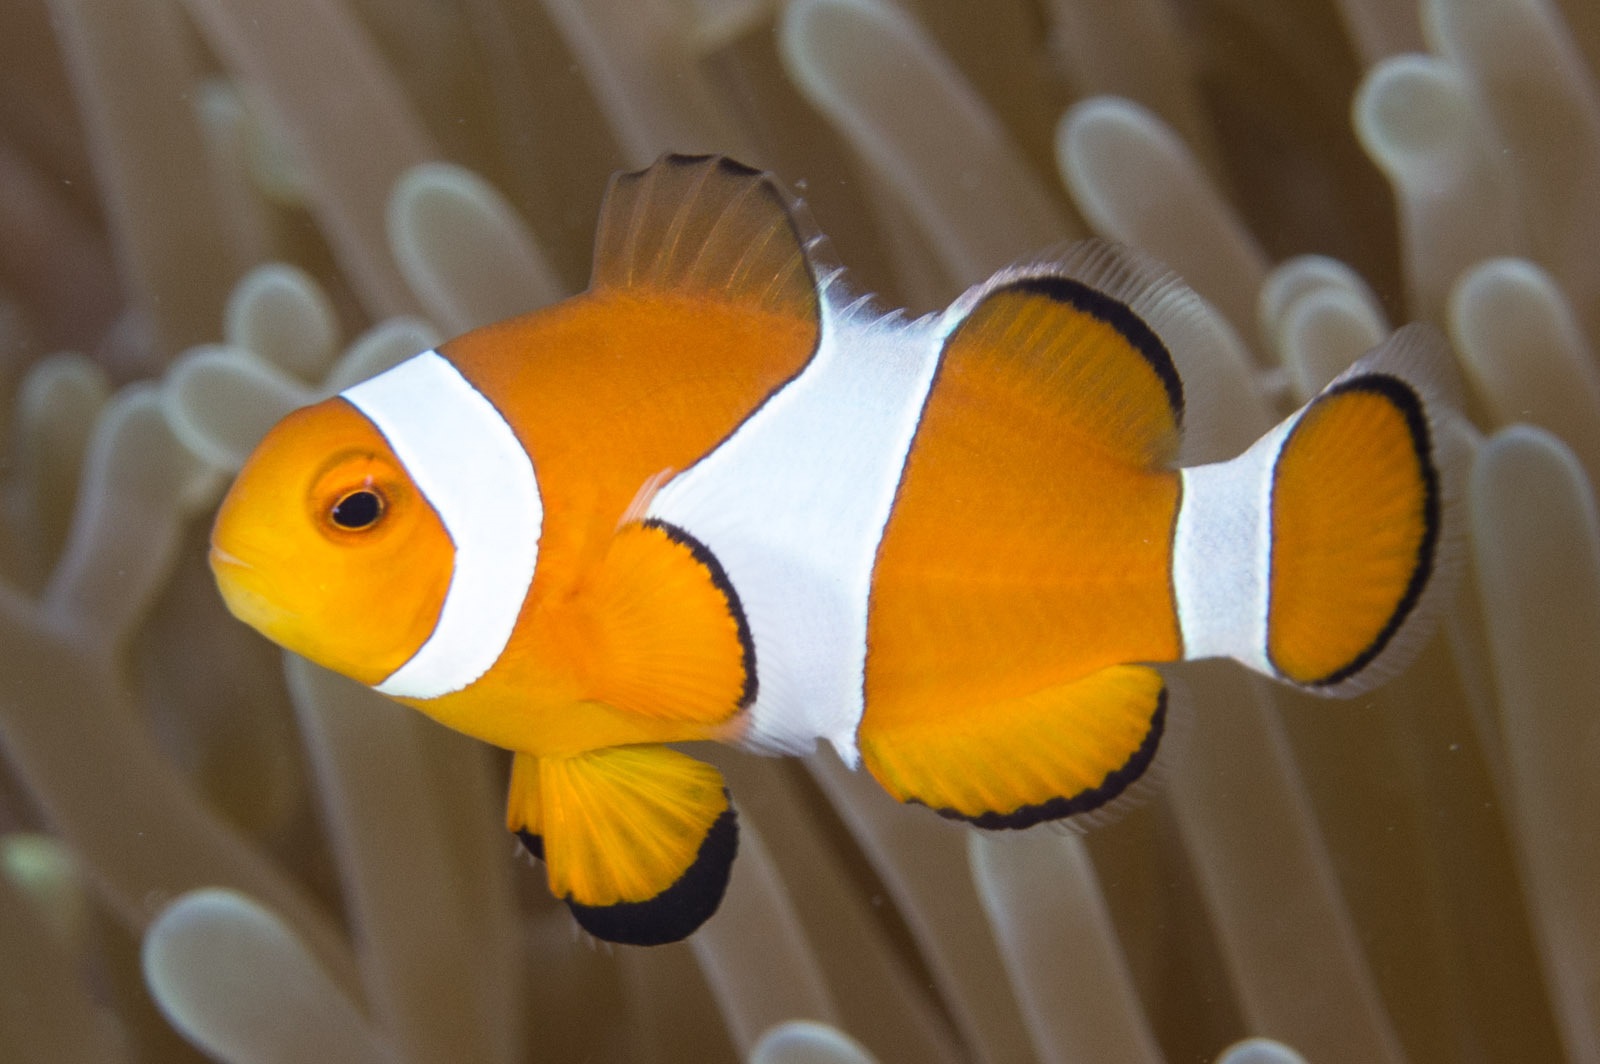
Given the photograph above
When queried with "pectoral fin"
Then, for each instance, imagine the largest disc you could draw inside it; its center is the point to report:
(637, 840)
(670, 640)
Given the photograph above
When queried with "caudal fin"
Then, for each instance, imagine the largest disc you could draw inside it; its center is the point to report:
(1340, 521)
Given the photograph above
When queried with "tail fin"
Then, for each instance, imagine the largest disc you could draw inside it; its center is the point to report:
(1340, 520)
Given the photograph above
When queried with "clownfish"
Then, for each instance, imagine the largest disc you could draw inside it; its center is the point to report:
(717, 497)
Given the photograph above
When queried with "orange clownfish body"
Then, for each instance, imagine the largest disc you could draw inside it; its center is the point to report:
(714, 498)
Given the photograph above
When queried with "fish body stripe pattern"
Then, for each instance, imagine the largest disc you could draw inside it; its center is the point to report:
(955, 547)
(819, 461)
(468, 464)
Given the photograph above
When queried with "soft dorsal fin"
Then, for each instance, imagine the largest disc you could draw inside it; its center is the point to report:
(712, 227)
(1076, 334)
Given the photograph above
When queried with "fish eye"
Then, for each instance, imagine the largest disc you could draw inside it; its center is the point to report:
(357, 510)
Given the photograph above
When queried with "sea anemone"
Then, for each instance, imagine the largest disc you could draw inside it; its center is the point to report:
(217, 210)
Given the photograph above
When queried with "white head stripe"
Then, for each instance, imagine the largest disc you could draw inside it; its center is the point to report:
(474, 472)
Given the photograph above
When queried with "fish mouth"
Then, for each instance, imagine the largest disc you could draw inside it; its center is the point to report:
(238, 582)
(221, 559)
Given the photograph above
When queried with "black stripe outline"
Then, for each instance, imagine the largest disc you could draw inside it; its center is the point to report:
(719, 579)
(1172, 564)
(888, 519)
(1405, 399)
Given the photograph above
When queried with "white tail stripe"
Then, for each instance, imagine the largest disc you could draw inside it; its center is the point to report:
(469, 465)
(1222, 555)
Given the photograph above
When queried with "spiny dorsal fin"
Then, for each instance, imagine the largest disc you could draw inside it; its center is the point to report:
(1080, 333)
(708, 226)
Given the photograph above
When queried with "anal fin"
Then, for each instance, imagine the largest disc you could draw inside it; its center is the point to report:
(637, 840)
(1061, 752)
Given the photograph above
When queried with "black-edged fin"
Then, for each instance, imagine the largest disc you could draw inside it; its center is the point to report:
(1157, 296)
(708, 226)
(1366, 545)
(639, 841)
(669, 637)
(1072, 333)
(1075, 751)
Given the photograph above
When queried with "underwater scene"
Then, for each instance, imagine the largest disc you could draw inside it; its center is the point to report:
(216, 212)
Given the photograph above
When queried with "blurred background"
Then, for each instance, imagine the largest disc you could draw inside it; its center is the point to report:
(212, 211)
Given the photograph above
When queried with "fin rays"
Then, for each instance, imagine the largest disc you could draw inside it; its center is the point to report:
(670, 637)
(1062, 752)
(637, 840)
(1361, 456)
(712, 227)
(1089, 356)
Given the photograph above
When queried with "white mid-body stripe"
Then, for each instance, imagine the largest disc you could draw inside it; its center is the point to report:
(794, 504)
(1222, 554)
(464, 458)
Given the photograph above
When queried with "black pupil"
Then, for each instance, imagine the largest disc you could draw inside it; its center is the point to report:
(357, 510)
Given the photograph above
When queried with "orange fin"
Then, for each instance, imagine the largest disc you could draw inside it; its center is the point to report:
(524, 810)
(639, 841)
(669, 639)
(1067, 345)
(1360, 501)
(1061, 752)
(709, 227)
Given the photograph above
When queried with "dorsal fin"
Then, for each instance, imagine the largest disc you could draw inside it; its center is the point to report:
(1076, 334)
(708, 226)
